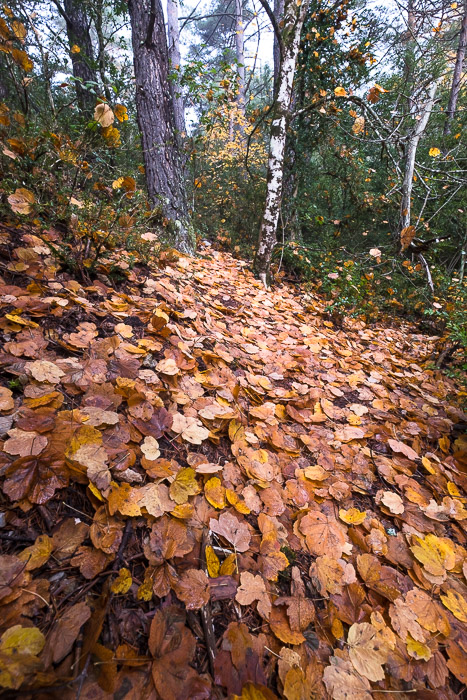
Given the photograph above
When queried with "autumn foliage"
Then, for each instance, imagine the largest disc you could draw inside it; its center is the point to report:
(211, 491)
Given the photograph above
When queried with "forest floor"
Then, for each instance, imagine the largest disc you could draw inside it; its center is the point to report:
(211, 490)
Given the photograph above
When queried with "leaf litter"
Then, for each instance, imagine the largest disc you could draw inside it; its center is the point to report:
(214, 491)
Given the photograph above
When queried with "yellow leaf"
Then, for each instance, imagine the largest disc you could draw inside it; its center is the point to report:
(112, 136)
(116, 184)
(37, 554)
(212, 562)
(235, 501)
(340, 92)
(456, 603)
(184, 485)
(427, 464)
(122, 583)
(145, 590)
(22, 59)
(75, 49)
(337, 628)
(14, 318)
(353, 516)
(435, 553)
(434, 152)
(19, 29)
(454, 491)
(24, 640)
(251, 691)
(121, 113)
(95, 492)
(19, 648)
(229, 565)
(417, 650)
(444, 444)
(214, 493)
(183, 511)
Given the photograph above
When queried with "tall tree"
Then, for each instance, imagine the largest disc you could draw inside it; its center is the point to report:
(156, 118)
(423, 108)
(288, 36)
(240, 55)
(458, 73)
(173, 31)
(78, 25)
(278, 12)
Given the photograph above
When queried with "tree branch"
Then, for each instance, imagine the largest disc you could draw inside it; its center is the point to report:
(275, 26)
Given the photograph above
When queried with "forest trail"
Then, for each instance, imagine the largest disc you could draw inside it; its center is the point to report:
(192, 423)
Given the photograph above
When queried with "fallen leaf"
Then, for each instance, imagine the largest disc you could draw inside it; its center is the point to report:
(233, 530)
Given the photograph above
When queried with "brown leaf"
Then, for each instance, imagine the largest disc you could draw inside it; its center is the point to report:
(367, 651)
(323, 534)
(407, 451)
(172, 647)
(344, 683)
(252, 588)
(35, 477)
(193, 588)
(233, 530)
(65, 631)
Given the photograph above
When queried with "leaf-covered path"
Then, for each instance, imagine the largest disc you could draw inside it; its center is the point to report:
(212, 491)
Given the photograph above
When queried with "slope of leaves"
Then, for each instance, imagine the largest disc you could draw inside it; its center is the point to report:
(210, 491)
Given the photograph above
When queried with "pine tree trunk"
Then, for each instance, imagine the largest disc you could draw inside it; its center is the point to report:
(175, 58)
(458, 73)
(78, 32)
(294, 16)
(156, 119)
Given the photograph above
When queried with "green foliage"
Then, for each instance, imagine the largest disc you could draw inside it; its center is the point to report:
(375, 284)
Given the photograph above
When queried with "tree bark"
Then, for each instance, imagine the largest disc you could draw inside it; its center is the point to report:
(156, 119)
(294, 16)
(417, 133)
(77, 27)
(278, 13)
(457, 76)
(240, 55)
(175, 58)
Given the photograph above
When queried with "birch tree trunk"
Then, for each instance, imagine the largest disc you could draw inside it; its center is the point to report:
(240, 55)
(156, 119)
(407, 184)
(173, 31)
(458, 72)
(294, 16)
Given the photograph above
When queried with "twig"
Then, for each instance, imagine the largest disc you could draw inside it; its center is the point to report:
(206, 612)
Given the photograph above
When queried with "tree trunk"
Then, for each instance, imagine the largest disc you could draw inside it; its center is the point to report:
(278, 14)
(294, 16)
(175, 58)
(98, 18)
(156, 119)
(77, 27)
(417, 133)
(239, 50)
(458, 72)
